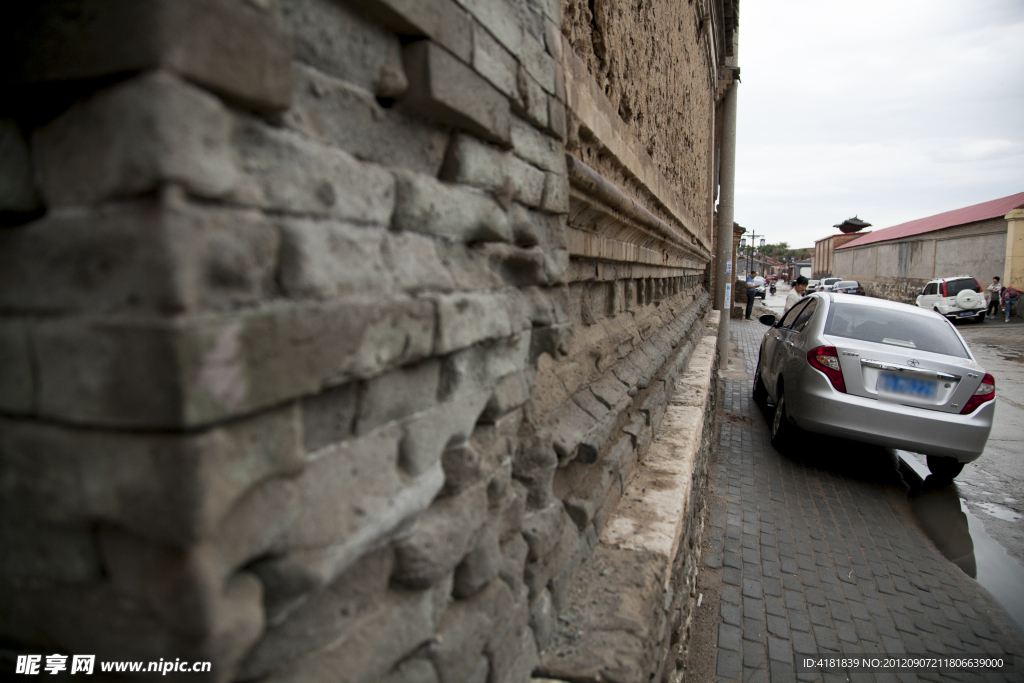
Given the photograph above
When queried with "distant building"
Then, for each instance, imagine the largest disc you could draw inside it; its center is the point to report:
(773, 266)
(896, 263)
(824, 249)
(798, 268)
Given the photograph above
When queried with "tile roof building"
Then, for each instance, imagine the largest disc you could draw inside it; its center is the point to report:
(996, 208)
(895, 263)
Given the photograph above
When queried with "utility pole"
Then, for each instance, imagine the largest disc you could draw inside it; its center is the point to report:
(750, 250)
(726, 206)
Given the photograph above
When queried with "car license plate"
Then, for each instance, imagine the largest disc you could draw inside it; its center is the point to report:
(965, 313)
(907, 386)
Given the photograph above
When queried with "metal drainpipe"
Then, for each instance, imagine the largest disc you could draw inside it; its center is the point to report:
(725, 221)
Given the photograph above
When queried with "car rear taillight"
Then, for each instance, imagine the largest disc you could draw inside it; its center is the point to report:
(826, 360)
(985, 392)
(943, 289)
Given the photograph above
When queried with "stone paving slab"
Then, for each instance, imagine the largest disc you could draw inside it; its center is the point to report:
(818, 557)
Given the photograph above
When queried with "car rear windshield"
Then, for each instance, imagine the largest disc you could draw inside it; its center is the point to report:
(954, 287)
(896, 328)
(846, 284)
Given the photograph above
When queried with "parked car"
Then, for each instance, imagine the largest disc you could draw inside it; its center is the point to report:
(848, 287)
(879, 372)
(812, 286)
(954, 297)
(828, 283)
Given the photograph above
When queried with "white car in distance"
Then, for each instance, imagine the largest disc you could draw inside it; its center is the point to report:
(954, 297)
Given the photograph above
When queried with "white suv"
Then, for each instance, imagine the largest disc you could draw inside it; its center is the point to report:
(828, 284)
(954, 297)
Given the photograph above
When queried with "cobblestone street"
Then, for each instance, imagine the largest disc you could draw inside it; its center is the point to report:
(820, 554)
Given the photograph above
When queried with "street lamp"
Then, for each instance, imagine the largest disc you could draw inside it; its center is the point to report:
(751, 252)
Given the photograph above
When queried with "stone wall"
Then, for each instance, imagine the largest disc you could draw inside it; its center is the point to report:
(647, 72)
(650, 62)
(905, 291)
(627, 610)
(319, 358)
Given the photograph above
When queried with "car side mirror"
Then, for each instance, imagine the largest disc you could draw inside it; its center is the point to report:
(767, 319)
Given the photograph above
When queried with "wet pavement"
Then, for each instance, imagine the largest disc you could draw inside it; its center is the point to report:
(777, 302)
(842, 548)
(962, 538)
(993, 485)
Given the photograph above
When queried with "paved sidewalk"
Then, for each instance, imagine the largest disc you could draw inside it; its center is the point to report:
(820, 555)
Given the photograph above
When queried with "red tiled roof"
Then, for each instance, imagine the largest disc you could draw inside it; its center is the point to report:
(968, 214)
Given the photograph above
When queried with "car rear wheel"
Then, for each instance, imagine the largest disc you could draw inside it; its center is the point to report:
(981, 317)
(944, 469)
(782, 430)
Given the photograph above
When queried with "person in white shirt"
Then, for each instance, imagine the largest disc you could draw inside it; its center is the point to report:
(797, 293)
(995, 293)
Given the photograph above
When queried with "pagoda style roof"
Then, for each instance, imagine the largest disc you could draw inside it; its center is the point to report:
(852, 225)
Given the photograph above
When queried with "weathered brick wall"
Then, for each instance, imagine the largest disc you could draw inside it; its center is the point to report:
(314, 361)
(652, 62)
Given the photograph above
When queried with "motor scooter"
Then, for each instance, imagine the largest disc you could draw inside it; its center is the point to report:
(772, 287)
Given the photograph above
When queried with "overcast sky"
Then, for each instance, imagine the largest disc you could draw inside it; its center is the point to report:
(888, 109)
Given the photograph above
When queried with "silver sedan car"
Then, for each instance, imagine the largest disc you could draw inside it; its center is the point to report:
(879, 372)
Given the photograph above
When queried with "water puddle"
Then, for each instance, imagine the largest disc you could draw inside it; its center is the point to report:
(961, 537)
(998, 511)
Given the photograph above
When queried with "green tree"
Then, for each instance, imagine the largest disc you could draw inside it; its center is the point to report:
(775, 250)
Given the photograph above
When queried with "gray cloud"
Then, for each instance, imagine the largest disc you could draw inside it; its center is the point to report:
(889, 110)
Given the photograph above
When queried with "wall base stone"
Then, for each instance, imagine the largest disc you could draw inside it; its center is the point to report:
(626, 604)
(905, 291)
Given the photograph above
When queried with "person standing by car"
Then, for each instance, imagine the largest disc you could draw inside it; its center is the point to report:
(751, 292)
(1009, 299)
(797, 293)
(995, 291)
